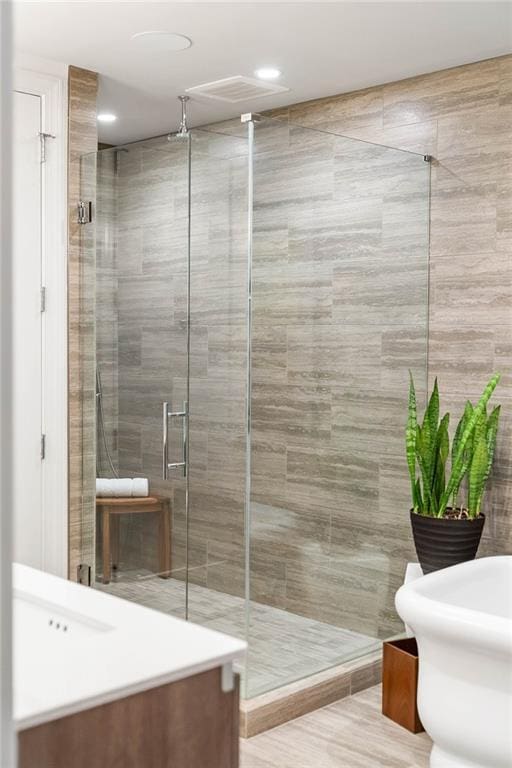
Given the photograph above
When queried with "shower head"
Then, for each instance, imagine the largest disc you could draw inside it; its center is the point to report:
(182, 132)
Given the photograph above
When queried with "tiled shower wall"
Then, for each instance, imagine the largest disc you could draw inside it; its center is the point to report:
(330, 534)
(340, 277)
(463, 117)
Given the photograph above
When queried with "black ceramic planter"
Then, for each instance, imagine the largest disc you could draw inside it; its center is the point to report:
(441, 542)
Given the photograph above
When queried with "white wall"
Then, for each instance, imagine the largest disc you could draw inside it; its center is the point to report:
(48, 79)
(7, 742)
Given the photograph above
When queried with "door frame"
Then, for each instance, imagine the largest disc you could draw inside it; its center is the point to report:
(52, 91)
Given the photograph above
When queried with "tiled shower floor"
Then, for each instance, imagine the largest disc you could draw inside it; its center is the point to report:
(282, 646)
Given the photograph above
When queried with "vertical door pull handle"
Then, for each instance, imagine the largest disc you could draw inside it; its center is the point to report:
(166, 415)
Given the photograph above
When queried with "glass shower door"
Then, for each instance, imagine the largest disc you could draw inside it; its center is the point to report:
(139, 343)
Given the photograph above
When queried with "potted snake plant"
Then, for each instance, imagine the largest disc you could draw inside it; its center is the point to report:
(446, 516)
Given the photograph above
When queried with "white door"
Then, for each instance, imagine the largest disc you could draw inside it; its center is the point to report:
(28, 331)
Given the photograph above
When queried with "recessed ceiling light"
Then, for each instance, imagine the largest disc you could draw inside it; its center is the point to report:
(107, 117)
(159, 40)
(268, 73)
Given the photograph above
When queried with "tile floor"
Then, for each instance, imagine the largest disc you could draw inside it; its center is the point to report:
(283, 646)
(352, 733)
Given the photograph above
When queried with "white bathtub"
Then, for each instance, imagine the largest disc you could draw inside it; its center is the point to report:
(462, 620)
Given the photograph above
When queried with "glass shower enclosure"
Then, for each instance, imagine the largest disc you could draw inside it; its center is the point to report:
(257, 293)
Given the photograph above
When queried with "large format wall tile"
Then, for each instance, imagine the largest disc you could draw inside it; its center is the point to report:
(340, 279)
(448, 92)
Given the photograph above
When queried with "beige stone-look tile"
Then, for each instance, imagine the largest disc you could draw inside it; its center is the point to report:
(268, 467)
(461, 358)
(419, 137)
(463, 219)
(342, 593)
(380, 291)
(341, 113)
(505, 80)
(471, 285)
(333, 354)
(227, 352)
(504, 216)
(293, 295)
(288, 534)
(226, 441)
(299, 414)
(320, 477)
(475, 150)
(366, 677)
(503, 361)
(368, 423)
(269, 345)
(352, 732)
(403, 350)
(272, 712)
(450, 91)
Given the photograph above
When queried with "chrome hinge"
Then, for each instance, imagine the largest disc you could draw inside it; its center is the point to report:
(84, 212)
(42, 138)
(83, 574)
(43, 446)
(43, 298)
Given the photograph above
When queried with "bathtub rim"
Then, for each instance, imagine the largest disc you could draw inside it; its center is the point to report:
(467, 626)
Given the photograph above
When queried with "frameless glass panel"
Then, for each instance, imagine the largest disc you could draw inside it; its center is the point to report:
(339, 315)
(218, 372)
(140, 285)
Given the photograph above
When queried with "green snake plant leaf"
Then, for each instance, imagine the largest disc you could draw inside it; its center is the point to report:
(429, 432)
(410, 442)
(458, 464)
(417, 496)
(432, 412)
(423, 455)
(491, 434)
(468, 410)
(442, 451)
(477, 470)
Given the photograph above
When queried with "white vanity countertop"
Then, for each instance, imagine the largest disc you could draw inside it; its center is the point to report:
(76, 648)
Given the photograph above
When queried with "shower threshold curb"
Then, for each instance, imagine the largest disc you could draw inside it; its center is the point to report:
(274, 708)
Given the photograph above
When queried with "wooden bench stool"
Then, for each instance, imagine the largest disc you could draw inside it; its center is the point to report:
(111, 508)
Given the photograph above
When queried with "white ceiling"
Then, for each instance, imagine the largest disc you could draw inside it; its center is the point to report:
(321, 49)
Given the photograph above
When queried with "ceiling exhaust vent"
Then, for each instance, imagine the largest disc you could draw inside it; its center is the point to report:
(235, 89)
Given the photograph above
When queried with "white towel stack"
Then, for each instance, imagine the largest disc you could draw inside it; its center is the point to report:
(122, 487)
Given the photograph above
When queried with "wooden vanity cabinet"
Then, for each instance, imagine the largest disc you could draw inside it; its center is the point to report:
(190, 723)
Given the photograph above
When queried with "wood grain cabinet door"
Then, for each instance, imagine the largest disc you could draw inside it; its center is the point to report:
(188, 724)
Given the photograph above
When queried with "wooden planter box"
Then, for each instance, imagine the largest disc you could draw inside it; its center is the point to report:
(400, 683)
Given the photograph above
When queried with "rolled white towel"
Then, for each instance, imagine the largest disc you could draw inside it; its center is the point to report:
(102, 486)
(123, 487)
(140, 486)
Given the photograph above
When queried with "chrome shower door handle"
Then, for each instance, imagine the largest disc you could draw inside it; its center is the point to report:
(165, 443)
(167, 465)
